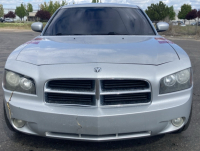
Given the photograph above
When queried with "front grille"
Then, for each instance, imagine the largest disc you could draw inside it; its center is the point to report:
(110, 85)
(122, 99)
(70, 99)
(98, 92)
(74, 85)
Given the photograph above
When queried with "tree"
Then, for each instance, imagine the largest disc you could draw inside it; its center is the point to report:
(172, 13)
(29, 7)
(157, 12)
(185, 9)
(1, 10)
(44, 6)
(10, 14)
(43, 14)
(21, 11)
(191, 15)
(51, 7)
(56, 5)
(63, 3)
(198, 14)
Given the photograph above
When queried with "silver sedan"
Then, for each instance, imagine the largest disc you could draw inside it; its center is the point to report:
(98, 72)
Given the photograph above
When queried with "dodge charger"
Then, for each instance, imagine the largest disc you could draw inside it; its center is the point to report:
(98, 72)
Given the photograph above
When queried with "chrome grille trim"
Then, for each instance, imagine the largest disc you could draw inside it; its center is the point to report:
(98, 89)
(69, 92)
(124, 92)
(98, 93)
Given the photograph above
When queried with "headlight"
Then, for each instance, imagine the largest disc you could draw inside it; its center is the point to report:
(183, 76)
(16, 82)
(170, 80)
(175, 82)
(26, 84)
(12, 78)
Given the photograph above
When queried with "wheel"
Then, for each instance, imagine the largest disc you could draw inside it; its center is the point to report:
(185, 127)
(7, 120)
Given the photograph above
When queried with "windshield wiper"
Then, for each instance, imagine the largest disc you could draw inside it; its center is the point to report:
(68, 34)
(77, 34)
(59, 34)
(112, 33)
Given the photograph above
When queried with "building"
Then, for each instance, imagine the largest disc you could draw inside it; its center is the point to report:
(32, 17)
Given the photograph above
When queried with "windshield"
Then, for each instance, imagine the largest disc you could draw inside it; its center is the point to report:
(99, 21)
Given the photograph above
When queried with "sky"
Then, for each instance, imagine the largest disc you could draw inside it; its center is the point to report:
(142, 3)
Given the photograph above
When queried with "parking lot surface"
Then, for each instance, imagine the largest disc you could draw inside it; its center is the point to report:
(188, 140)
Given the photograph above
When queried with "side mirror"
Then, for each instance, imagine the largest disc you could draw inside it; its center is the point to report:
(37, 26)
(162, 26)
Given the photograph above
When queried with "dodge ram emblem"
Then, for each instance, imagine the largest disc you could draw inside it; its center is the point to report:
(97, 69)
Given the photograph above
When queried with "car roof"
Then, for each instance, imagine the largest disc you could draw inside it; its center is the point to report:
(100, 5)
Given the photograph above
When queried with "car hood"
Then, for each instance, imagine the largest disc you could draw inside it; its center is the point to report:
(146, 50)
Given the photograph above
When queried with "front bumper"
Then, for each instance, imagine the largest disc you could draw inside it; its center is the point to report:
(99, 123)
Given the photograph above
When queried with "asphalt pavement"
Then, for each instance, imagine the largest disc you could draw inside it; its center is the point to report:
(186, 141)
